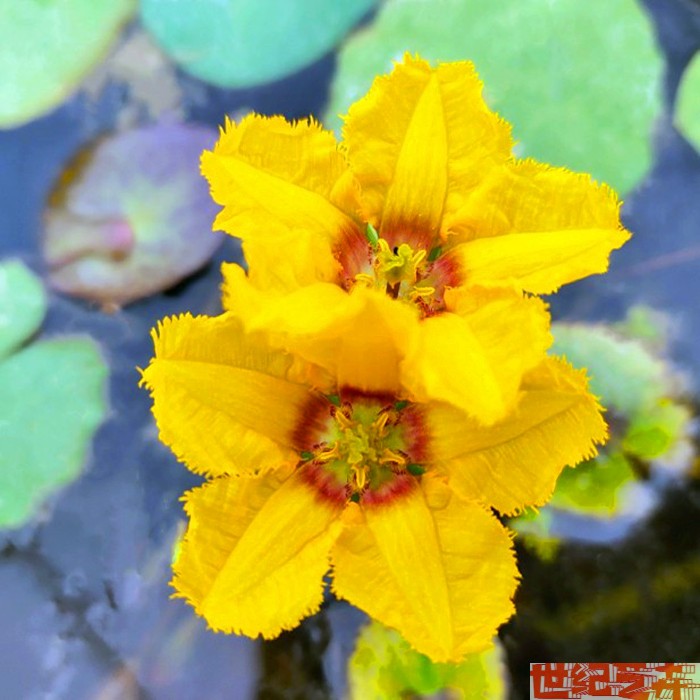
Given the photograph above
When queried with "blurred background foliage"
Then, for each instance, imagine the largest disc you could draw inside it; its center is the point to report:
(105, 228)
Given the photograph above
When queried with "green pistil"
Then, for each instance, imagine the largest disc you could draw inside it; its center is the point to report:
(400, 405)
(334, 399)
(398, 265)
(357, 446)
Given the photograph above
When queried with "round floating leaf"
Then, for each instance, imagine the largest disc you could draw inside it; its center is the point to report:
(579, 81)
(22, 305)
(626, 377)
(132, 216)
(384, 667)
(653, 433)
(47, 47)
(52, 394)
(236, 43)
(688, 108)
(595, 486)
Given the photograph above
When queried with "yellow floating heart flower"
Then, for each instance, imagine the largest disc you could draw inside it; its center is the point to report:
(421, 202)
(309, 472)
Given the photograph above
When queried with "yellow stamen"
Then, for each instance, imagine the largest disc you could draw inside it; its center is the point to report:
(343, 420)
(380, 424)
(392, 457)
(365, 279)
(359, 477)
(328, 454)
(421, 293)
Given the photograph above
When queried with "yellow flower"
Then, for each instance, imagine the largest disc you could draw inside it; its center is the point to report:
(309, 473)
(421, 202)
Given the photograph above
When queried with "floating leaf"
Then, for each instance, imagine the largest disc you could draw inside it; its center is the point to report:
(52, 398)
(22, 305)
(132, 216)
(594, 487)
(237, 43)
(688, 103)
(623, 373)
(47, 47)
(581, 83)
(653, 433)
(384, 667)
(638, 388)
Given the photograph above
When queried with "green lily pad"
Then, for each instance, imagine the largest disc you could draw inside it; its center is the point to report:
(237, 43)
(595, 486)
(384, 667)
(53, 399)
(22, 305)
(639, 388)
(626, 377)
(132, 216)
(688, 103)
(47, 47)
(653, 433)
(581, 82)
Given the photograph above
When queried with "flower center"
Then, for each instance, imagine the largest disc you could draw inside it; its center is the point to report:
(362, 452)
(410, 274)
(400, 272)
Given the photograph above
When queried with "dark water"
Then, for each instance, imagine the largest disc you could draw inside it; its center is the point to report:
(85, 608)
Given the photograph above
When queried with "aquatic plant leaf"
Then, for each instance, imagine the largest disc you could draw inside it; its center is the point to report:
(384, 667)
(52, 398)
(22, 305)
(688, 103)
(594, 486)
(626, 377)
(584, 99)
(48, 47)
(131, 216)
(638, 388)
(237, 43)
(651, 434)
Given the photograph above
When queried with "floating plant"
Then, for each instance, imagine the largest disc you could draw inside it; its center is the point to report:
(688, 108)
(384, 667)
(585, 99)
(131, 216)
(47, 48)
(648, 423)
(237, 43)
(52, 398)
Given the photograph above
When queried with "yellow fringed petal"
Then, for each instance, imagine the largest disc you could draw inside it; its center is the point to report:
(272, 176)
(447, 363)
(419, 142)
(524, 196)
(535, 227)
(359, 339)
(537, 262)
(306, 311)
(295, 258)
(365, 344)
(223, 400)
(515, 463)
(436, 567)
(474, 355)
(255, 553)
